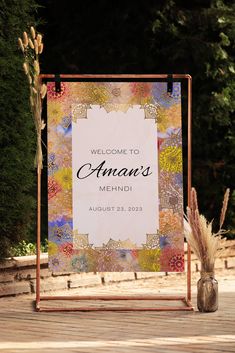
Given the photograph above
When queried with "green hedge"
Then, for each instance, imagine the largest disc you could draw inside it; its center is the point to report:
(17, 140)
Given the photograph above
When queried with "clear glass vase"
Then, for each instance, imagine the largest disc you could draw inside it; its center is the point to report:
(207, 293)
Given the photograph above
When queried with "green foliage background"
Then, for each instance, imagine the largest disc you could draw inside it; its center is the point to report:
(17, 140)
(165, 36)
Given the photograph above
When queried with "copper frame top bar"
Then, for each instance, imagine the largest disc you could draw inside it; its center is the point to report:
(52, 76)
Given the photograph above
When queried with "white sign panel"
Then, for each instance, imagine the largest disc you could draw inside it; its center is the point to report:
(115, 176)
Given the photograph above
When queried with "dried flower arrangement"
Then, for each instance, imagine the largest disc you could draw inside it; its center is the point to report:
(198, 231)
(32, 46)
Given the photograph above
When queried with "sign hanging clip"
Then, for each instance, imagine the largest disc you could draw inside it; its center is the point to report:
(57, 83)
(169, 84)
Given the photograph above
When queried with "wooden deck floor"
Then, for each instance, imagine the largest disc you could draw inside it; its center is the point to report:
(23, 330)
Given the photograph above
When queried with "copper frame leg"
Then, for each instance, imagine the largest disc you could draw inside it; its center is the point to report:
(186, 300)
(38, 238)
(189, 181)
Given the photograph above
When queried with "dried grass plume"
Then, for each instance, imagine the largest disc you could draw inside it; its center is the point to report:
(199, 234)
(224, 208)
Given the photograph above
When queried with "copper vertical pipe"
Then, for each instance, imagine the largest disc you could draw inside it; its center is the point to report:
(38, 238)
(189, 294)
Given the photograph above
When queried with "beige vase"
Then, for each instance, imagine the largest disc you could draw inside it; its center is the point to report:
(207, 293)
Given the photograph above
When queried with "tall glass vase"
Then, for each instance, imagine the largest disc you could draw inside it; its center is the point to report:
(207, 292)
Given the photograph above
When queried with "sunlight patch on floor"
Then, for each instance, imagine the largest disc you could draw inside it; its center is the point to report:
(157, 341)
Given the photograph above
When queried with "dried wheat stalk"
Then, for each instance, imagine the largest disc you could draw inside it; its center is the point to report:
(32, 46)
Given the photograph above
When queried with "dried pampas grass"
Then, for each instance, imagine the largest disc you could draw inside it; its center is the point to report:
(32, 46)
(199, 234)
(224, 208)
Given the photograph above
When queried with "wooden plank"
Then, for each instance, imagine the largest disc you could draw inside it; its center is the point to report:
(22, 330)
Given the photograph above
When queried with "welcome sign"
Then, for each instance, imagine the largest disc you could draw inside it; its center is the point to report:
(115, 197)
